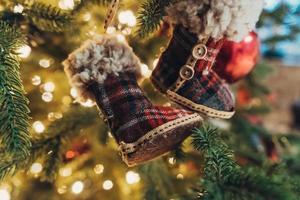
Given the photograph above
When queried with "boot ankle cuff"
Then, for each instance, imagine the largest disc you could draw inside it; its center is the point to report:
(95, 60)
(216, 18)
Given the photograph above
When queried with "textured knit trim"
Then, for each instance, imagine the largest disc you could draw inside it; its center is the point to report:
(233, 19)
(159, 131)
(96, 59)
(197, 107)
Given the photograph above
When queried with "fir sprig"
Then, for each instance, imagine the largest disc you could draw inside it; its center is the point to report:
(224, 179)
(52, 144)
(151, 15)
(47, 17)
(14, 109)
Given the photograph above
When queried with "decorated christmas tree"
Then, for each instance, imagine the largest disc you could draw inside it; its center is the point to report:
(155, 100)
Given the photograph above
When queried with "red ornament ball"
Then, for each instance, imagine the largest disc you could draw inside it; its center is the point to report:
(237, 60)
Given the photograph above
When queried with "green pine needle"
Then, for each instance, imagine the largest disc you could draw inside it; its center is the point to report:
(14, 109)
(151, 15)
(47, 17)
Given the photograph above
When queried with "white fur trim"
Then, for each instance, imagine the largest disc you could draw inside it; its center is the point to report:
(233, 19)
(96, 59)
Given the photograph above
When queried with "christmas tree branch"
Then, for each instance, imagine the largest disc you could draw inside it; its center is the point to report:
(151, 15)
(52, 144)
(47, 17)
(223, 177)
(14, 110)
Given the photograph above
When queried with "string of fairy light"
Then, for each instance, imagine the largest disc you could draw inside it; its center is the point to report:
(126, 22)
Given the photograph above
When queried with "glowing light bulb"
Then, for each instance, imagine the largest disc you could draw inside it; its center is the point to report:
(108, 185)
(47, 97)
(4, 194)
(24, 51)
(36, 168)
(62, 189)
(36, 80)
(111, 30)
(127, 17)
(38, 127)
(65, 172)
(77, 187)
(74, 93)
(98, 169)
(248, 39)
(132, 177)
(45, 63)
(49, 87)
(180, 176)
(89, 103)
(172, 161)
(121, 38)
(18, 8)
(146, 72)
(87, 17)
(66, 4)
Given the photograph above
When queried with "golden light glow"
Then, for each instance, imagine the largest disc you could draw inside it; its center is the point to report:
(146, 72)
(4, 194)
(89, 103)
(45, 63)
(77, 187)
(172, 161)
(132, 177)
(18, 8)
(74, 93)
(65, 172)
(180, 176)
(98, 169)
(36, 80)
(107, 185)
(111, 30)
(121, 38)
(38, 127)
(62, 189)
(66, 4)
(87, 17)
(24, 51)
(49, 87)
(47, 97)
(36, 168)
(127, 17)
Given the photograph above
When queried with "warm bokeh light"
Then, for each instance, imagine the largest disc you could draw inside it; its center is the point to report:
(127, 17)
(4, 194)
(98, 169)
(18, 8)
(77, 187)
(66, 4)
(49, 87)
(107, 185)
(89, 103)
(36, 168)
(45, 63)
(132, 177)
(36, 80)
(65, 172)
(146, 72)
(47, 96)
(24, 51)
(38, 127)
(172, 161)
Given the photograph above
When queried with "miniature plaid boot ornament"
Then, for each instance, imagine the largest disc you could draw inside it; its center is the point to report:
(184, 71)
(105, 70)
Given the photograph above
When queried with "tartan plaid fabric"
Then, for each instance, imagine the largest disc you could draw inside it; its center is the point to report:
(208, 90)
(130, 114)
